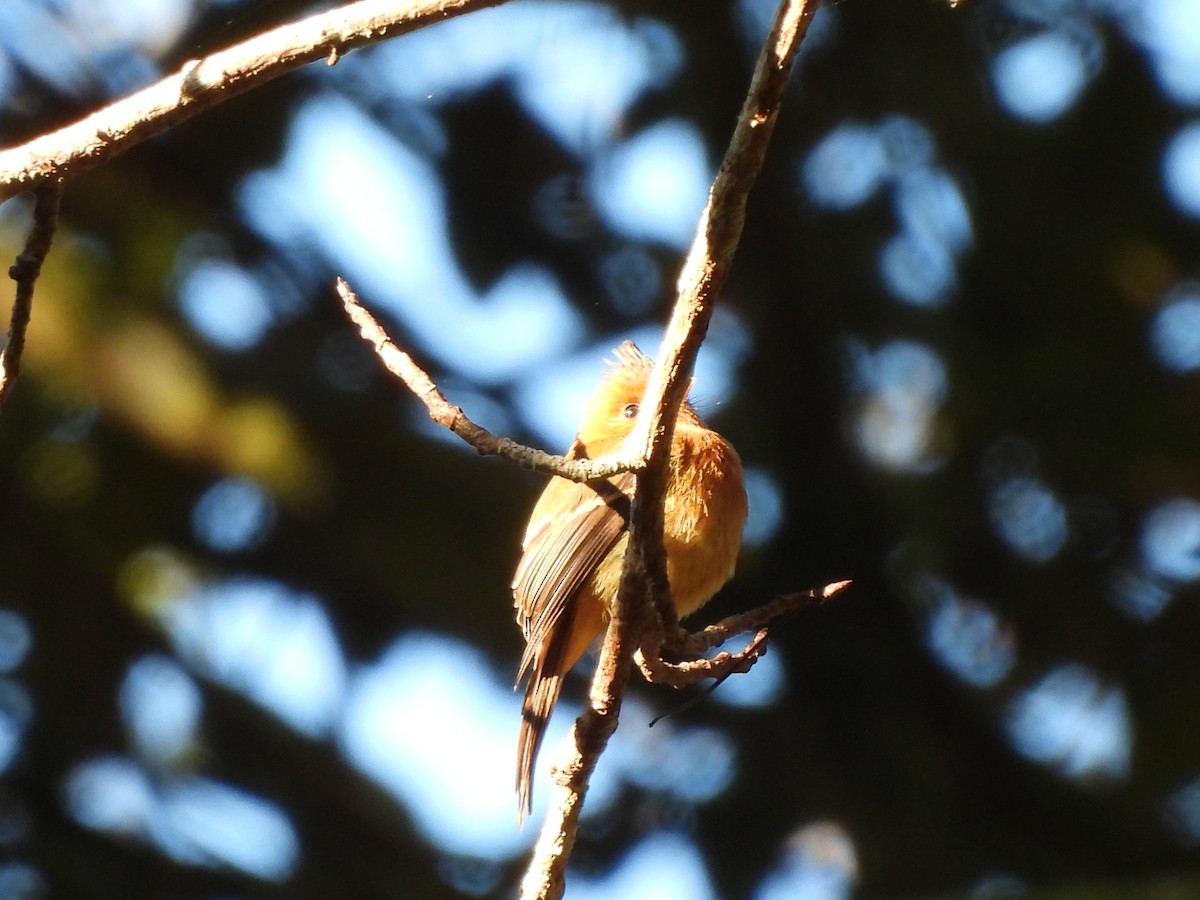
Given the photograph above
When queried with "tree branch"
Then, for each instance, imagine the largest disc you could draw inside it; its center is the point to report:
(692, 645)
(708, 263)
(452, 417)
(719, 632)
(644, 574)
(25, 272)
(201, 84)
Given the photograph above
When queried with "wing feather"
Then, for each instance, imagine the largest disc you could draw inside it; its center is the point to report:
(572, 529)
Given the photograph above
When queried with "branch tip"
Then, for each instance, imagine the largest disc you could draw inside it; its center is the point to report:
(835, 587)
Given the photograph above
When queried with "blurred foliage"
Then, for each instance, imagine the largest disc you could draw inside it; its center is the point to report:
(125, 416)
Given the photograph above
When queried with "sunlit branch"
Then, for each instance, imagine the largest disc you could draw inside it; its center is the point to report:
(644, 572)
(691, 645)
(707, 264)
(719, 632)
(25, 272)
(202, 83)
(445, 413)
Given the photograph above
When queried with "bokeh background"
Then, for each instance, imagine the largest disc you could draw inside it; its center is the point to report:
(255, 630)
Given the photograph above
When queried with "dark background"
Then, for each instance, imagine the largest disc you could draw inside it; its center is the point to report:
(1071, 769)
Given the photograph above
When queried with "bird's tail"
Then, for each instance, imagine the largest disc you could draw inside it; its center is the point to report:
(540, 696)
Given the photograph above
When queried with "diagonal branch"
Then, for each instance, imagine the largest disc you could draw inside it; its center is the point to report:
(706, 267)
(25, 272)
(201, 84)
(452, 417)
(644, 573)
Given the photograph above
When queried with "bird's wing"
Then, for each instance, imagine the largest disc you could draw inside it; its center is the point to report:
(571, 530)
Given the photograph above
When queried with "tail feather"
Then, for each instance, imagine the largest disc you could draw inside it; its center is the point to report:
(540, 696)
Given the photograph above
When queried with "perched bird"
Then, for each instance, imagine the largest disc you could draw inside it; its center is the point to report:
(566, 581)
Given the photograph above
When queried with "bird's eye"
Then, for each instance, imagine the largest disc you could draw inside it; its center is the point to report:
(630, 411)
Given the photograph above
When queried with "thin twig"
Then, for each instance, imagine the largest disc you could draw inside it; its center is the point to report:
(719, 632)
(25, 272)
(692, 645)
(690, 671)
(644, 573)
(445, 413)
(201, 84)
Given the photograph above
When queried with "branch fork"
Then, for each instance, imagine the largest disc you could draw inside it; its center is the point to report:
(695, 666)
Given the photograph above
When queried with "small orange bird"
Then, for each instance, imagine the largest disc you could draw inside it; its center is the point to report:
(566, 582)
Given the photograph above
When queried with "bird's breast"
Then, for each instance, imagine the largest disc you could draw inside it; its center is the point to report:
(703, 518)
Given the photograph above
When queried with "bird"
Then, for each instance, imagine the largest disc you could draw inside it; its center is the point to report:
(566, 580)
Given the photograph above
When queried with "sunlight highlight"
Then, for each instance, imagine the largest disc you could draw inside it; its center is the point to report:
(1074, 724)
(820, 862)
(899, 390)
